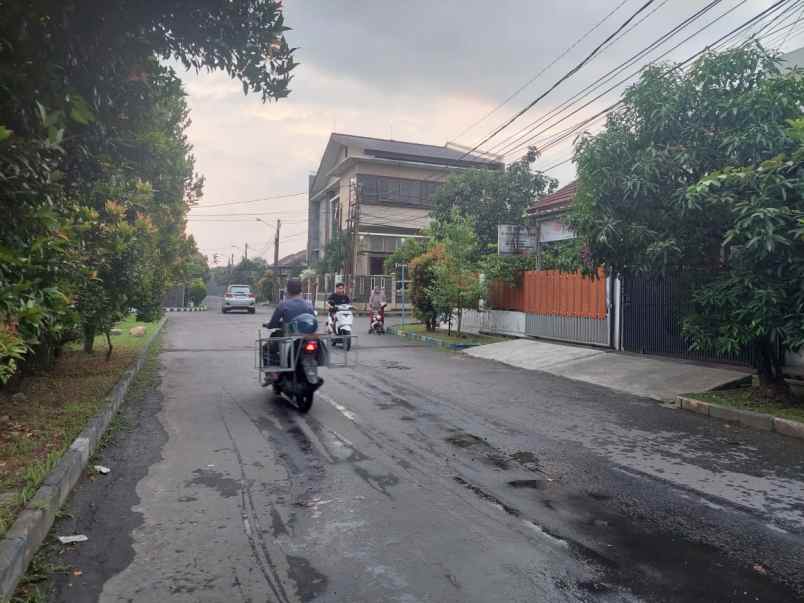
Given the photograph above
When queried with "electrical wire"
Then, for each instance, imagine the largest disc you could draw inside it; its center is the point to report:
(630, 76)
(562, 79)
(514, 141)
(272, 198)
(542, 71)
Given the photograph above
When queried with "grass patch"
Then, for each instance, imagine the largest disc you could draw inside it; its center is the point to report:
(36, 431)
(442, 335)
(747, 399)
(123, 341)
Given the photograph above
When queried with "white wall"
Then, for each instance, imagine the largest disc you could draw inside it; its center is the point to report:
(795, 359)
(503, 322)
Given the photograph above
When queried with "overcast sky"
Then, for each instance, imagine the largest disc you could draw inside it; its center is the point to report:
(418, 70)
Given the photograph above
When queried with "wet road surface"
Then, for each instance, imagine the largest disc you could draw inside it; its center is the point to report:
(424, 475)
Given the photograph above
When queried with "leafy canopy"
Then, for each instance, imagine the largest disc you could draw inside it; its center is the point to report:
(728, 109)
(758, 296)
(490, 198)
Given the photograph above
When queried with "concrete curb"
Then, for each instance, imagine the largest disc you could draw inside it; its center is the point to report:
(197, 309)
(22, 540)
(431, 341)
(747, 418)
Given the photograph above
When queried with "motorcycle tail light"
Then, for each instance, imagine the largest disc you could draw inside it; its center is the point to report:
(311, 346)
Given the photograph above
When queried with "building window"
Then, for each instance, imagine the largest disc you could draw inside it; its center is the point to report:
(382, 189)
(376, 264)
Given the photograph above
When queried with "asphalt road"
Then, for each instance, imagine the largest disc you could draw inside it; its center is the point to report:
(425, 475)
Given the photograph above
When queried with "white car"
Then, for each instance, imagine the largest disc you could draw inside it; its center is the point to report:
(239, 297)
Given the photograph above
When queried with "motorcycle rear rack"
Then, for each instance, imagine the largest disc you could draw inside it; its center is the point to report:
(330, 356)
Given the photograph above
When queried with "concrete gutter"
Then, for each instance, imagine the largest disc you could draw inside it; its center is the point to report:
(194, 309)
(24, 538)
(431, 341)
(746, 418)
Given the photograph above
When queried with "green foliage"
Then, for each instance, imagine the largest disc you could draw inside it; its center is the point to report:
(456, 283)
(198, 291)
(422, 277)
(568, 256)
(335, 254)
(756, 298)
(564, 256)
(409, 249)
(97, 173)
(728, 109)
(507, 268)
(265, 287)
(490, 198)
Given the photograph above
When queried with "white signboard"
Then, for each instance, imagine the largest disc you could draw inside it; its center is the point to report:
(514, 239)
(554, 230)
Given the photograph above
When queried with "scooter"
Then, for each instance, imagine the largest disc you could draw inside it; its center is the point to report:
(340, 323)
(290, 364)
(377, 321)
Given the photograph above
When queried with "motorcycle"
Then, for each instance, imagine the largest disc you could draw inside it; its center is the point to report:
(377, 320)
(290, 364)
(339, 325)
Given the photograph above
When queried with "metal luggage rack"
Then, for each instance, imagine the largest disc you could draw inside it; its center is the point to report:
(332, 356)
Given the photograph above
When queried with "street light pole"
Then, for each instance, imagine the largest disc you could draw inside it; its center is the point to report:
(274, 271)
(276, 262)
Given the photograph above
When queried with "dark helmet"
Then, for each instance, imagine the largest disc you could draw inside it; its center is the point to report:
(303, 323)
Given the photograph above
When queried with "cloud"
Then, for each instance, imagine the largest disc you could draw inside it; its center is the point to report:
(418, 70)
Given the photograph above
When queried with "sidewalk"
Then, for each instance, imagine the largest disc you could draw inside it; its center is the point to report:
(659, 378)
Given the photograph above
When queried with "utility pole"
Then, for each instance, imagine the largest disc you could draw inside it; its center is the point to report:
(356, 228)
(245, 254)
(274, 272)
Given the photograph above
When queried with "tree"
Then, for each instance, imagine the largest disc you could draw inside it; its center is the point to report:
(456, 283)
(756, 298)
(409, 249)
(636, 212)
(674, 127)
(86, 111)
(335, 254)
(115, 251)
(491, 197)
(198, 291)
(422, 275)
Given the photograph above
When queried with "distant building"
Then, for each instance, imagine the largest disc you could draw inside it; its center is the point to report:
(545, 215)
(381, 188)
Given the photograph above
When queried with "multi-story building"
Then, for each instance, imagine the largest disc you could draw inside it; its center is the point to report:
(380, 189)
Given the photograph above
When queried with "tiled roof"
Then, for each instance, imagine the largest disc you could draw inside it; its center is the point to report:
(560, 199)
(294, 259)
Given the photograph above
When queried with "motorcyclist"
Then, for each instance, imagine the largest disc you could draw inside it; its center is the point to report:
(377, 303)
(377, 299)
(293, 305)
(336, 298)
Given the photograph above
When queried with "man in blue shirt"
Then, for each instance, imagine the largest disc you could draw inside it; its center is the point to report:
(292, 307)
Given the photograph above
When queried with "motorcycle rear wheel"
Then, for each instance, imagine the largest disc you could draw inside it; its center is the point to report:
(304, 402)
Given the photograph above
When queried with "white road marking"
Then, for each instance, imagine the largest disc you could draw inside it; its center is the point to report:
(340, 408)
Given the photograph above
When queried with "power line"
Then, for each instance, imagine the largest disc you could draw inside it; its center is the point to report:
(723, 39)
(237, 214)
(562, 79)
(287, 196)
(542, 71)
(573, 129)
(514, 141)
